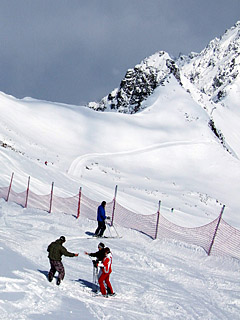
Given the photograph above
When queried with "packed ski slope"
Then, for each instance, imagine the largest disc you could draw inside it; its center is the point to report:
(168, 153)
(153, 279)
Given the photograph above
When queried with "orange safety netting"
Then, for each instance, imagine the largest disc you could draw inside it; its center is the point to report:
(219, 236)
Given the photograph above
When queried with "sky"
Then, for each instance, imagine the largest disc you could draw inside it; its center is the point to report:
(78, 51)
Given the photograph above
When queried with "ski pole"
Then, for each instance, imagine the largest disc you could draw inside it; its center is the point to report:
(109, 226)
(116, 231)
(95, 280)
(109, 230)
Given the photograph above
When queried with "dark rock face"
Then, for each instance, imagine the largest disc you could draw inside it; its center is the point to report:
(134, 88)
(214, 69)
(211, 72)
(138, 84)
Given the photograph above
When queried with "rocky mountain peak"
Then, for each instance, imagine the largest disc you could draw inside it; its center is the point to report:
(210, 72)
(138, 84)
(216, 67)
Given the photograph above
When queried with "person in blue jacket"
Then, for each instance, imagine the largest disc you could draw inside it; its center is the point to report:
(101, 217)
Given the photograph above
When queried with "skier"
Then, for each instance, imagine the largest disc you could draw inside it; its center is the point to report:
(56, 250)
(106, 268)
(101, 217)
(99, 255)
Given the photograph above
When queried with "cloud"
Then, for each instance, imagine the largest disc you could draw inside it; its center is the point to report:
(71, 51)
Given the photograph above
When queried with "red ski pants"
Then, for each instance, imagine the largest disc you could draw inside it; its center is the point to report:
(104, 278)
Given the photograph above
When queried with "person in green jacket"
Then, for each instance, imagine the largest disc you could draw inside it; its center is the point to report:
(56, 251)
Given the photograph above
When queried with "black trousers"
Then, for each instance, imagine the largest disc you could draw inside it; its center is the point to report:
(100, 229)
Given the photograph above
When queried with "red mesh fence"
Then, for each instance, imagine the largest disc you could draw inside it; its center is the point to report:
(19, 198)
(226, 239)
(142, 223)
(38, 201)
(88, 208)
(65, 205)
(199, 236)
(4, 192)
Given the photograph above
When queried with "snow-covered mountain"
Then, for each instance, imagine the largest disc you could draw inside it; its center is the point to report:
(138, 84)
(182, 111)
(212, 78)
(170, 133)
(217, 67)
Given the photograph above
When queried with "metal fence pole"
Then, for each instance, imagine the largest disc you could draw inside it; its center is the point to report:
(114, 204)
(158, 217)
(51, 198)
(27, 192)
(10, 186)
(79, 202)
(216, 229)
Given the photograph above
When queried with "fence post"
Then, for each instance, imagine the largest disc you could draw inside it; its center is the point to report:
(27, 192)
(10, 185)
(114, 205)
(79, 202)
(216, 229)
(51, 198)
(158, 216)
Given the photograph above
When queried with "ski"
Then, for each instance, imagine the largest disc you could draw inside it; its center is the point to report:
(104, 237)
(98, 294)
(112, 237)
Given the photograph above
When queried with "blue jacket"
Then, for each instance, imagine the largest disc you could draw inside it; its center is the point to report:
(101, 216)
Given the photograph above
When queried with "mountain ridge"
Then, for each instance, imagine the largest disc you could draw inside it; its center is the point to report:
(154, 70)
(209, 77)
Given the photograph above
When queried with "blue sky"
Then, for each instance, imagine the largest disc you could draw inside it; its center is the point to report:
(78, 51)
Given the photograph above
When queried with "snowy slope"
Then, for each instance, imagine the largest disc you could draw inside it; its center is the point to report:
(166, 152)
(153, 279)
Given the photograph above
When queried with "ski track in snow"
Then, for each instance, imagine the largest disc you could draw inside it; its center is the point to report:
(153, 279)
(77, 165)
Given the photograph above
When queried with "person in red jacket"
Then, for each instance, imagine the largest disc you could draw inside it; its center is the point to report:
(106, 268)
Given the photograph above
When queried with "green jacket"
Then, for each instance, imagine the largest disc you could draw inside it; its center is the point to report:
(57, 250)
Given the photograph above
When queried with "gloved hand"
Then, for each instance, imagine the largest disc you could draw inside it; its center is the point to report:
(108, 218)
(76, 254)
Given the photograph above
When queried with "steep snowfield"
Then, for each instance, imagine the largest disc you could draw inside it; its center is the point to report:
(227, 117)
(168, 153)
(214, 73)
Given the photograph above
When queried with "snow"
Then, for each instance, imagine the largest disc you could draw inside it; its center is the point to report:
(153, 279)
(212, 77)
(167, 152)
